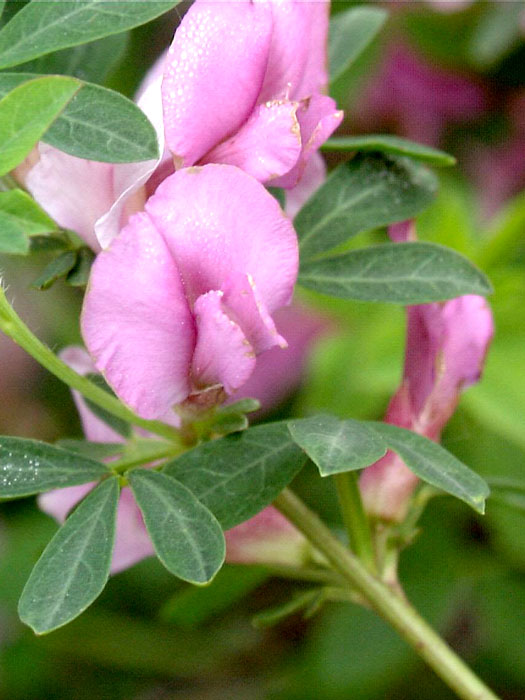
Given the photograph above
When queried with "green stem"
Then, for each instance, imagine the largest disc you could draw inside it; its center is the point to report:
(122, 465)
(393, 608)
(355, 519)
(13, 326)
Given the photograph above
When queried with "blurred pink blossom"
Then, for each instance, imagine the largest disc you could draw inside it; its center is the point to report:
(445, 352)
(418, 98)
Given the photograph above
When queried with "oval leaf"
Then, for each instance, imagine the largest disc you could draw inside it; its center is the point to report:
(187, 538)
(28, 467)
(74, 567)
(20, 218)
(97, 124)
(434, 465)
(369, 191)
(27, 112)
(238, 475)
(390, 144)
(335, 445)
(42, 27)
(398, 273)
(350, 33)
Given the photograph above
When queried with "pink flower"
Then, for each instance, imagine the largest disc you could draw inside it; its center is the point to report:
(243, 85)
(266, 538)
(445, 351)
(182, 299)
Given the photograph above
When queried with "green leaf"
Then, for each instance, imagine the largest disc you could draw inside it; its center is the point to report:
(238, 475)
(92, 62)
(187, 538)
(192, 607)
(95, 450)
(510, 492)
(57, 268)
(397, 273)
(117, 424)
(335, 445)
(369, 191)
(74, 567)
(350, 33)
(27, 112)
(396, 145)
(43, 27)
(434, 465)
(78, 275)
(20, 218)
(29, 466)
(97, 124)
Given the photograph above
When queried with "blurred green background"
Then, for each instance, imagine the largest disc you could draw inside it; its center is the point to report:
(152, 637)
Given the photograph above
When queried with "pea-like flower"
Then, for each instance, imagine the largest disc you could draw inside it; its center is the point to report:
(182, 299)
(445, 352)
(243, 85)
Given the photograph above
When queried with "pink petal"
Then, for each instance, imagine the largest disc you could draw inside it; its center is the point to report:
(132, 542)
(136, 322)
(267, 538)
(297, 63)
(59, 502)
(73, 191)
(246, 306)
(312, 178)
(223, 354)
(266, 146)
(221, 224)
(94, 428)
(318, 119)
(214, 72)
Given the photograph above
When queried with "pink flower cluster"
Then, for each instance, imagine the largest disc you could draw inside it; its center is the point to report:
(194, 255)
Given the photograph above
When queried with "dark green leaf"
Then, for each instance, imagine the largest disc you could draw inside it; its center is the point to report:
(191, 607)
(74, 566)
(20, 218)
(510, 492)
(350, 33)
(97, 124)
(335, 445)
(29, 466)
(238, 475)
(279, 194)
(117, 424)
(78, 276)
(398, 273)
(57, 268)
(187, 538)
(95, 450)
(27, 112)
(396, 145)
(369, 191)
(46, 244)
(434, 465)
(43, 27)
(91, 62)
